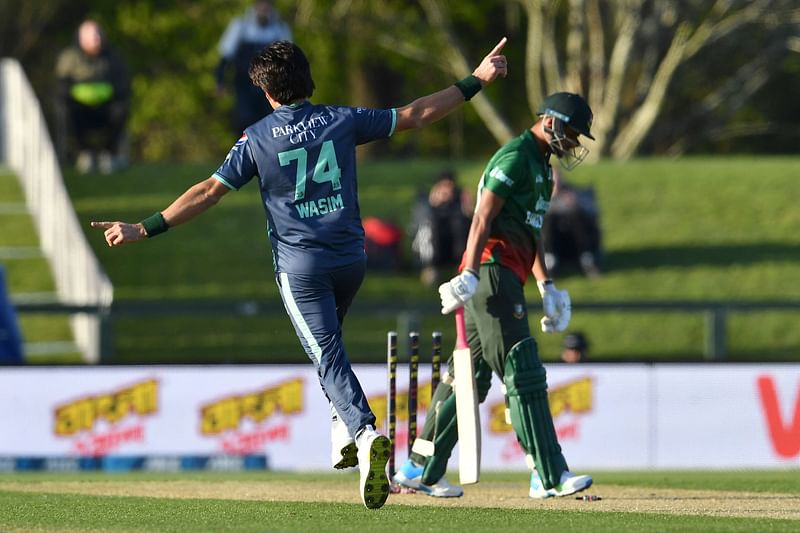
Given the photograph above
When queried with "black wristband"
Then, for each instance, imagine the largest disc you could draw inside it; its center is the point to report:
(154, 224)
(473, 272)
(469, 86)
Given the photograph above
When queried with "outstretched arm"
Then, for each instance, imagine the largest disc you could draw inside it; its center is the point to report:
(429, 109)
(195, 201)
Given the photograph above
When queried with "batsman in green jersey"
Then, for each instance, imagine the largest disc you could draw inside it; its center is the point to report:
(503, 248)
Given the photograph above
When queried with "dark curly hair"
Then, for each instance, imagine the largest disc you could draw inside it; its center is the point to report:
(282, 70)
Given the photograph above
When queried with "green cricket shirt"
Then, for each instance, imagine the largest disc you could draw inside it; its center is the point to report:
(518, 173)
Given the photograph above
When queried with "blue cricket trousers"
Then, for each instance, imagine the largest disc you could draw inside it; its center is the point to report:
(317, 304)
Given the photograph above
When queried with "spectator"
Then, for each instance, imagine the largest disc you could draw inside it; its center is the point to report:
(441, 222)
(244, 37)
(571, 233)
(94, 92)
(10, 337)
(575, 348)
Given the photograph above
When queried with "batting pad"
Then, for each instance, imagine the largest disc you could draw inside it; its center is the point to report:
(445, 433)
(526, 388)
(423, 447)
(441, 425)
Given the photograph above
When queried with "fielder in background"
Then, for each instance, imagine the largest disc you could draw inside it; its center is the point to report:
(503, 248)
(304, 158)
(243, 39)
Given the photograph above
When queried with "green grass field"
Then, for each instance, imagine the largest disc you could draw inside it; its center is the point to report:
(694, 229)
(28, 276)
(747, 501)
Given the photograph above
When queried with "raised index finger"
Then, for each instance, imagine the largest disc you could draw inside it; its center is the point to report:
(496, 50)
(104, 224)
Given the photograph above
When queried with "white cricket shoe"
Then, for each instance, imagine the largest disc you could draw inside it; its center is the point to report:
(570, 484)
(343, 448)
(441, 489)
(345, 457)
(409, 475)
(373, 454)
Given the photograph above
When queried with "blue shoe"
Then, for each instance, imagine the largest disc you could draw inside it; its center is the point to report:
(537, 488)
(409, 475)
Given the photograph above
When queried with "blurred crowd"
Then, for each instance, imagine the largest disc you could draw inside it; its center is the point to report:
(93, 96)
(93, 100)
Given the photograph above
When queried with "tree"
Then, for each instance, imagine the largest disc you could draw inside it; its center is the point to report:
(625, 55)
(171, 48)
(663, 76)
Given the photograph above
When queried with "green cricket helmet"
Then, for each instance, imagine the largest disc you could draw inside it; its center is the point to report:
(568, 110)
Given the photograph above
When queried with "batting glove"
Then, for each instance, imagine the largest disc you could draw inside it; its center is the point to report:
(556, 305)
(456, 292)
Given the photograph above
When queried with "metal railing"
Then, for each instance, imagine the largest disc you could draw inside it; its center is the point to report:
(26, 147)
(716, 313)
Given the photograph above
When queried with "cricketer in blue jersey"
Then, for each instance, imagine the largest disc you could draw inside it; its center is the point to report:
(303, 156)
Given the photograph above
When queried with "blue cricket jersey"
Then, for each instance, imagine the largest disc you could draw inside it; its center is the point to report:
(305, 158)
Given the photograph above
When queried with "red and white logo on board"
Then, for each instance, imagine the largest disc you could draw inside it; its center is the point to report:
(783, 421)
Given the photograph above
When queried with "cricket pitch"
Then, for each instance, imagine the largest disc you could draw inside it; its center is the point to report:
(614, 498)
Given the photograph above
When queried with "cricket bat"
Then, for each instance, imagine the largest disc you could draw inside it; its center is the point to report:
(467, 415)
